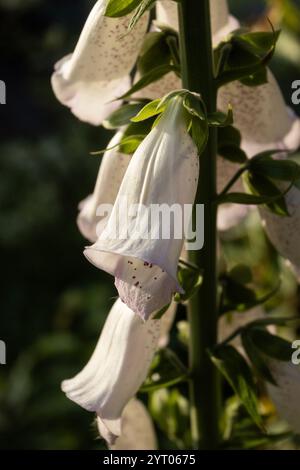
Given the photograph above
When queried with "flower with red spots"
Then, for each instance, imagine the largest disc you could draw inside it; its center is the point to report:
(89, 80)
(116, 370)
(163, 171)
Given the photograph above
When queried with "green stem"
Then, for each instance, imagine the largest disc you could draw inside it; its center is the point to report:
(197, 71)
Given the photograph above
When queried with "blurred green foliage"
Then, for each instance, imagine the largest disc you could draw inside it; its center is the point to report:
(53, 303)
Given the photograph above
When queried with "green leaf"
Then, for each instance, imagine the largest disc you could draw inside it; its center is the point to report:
(257, 43)
(130, 144)
(233, 154)
(241, 274)
(190, 280)
(283, 170)
(148, 111)
(165, 99)
(278, 321)
(117, 8)
(173, 43)
(246, 199)
(143, 6)
(271, 345)
(194, 105)
(236, 297)
(200, 134)
(221, 56)
(122, 116)
(166, 370)
(229, 141)
(155, 50)
(237, 372)
(150, 77)
(242, 432)
(256, 358)
(170, 410)
(134, 135)
(247, 57)
(263, 187)
(219, 119)
(229, 136)
(257, 78)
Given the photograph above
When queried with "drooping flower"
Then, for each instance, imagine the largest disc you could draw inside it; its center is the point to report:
(285, 395)
(284, 232)
(265, 123)
(116, 370)
(261, 115)
(97, 72)
(111, 172)
(137, 429)
(162, 175)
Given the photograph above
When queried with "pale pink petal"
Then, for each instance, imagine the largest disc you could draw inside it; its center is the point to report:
(93, 101)
(117, 368)
(163, 172)
(284, 232)
(111, 172)
(138, 432)
(260, 113)
(285, 395)
(98, 70)
(231, 215)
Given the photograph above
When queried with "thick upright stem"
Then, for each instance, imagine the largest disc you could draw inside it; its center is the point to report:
(197, 70)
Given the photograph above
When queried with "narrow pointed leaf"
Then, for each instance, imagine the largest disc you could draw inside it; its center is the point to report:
(237, 372)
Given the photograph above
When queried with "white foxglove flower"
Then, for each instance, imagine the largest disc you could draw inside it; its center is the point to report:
(97, 72)
(111, 172)
(231, 215)
(261, 116)
(117, 368)
(163, 173)
(138, 432)
(285, 395)
(284, 232)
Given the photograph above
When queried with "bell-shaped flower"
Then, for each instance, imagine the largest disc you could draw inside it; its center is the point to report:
(284, 232)
(117, 368)
(137, 432)
(261, 115)
(166, 14)
(111, 172)
(97, 72)
(285, 395)
(140, 245)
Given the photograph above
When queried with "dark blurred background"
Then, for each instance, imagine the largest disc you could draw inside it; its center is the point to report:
(52, 302)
